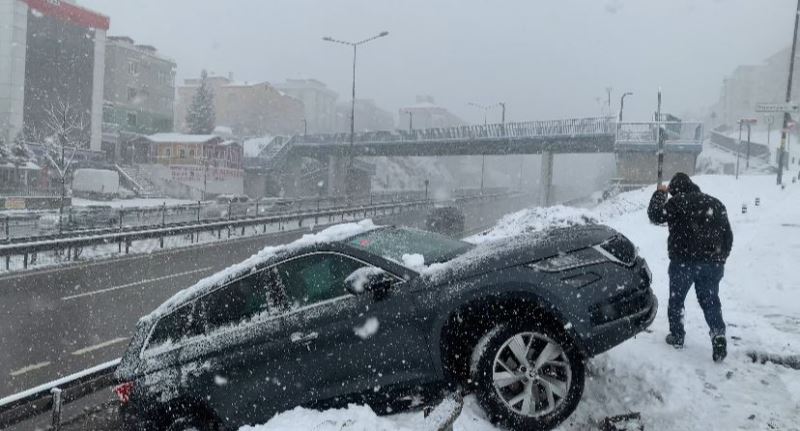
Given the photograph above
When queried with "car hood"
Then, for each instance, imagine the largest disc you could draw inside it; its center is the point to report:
(518, 250)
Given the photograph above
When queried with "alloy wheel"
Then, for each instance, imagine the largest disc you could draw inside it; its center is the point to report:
(531, 374)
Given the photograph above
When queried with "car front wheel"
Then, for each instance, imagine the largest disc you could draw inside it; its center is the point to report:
(527, 377)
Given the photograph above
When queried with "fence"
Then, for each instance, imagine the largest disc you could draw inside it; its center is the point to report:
(71, 244)
(571, 127)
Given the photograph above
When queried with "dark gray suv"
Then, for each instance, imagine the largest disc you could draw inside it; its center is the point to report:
(380, 313)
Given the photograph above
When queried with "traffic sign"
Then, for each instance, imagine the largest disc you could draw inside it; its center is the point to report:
(792, 107)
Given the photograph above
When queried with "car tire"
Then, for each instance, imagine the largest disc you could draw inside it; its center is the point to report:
(521, 395)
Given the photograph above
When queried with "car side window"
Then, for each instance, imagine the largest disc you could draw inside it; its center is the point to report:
(314, 278)
(179, 324)
(237, 301)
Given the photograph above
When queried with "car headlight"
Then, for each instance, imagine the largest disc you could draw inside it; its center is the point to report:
(572, 260)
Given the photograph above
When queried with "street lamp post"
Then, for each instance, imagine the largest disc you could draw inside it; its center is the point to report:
(622, 104)
(353, 104)
(410, 120)
(485, 109)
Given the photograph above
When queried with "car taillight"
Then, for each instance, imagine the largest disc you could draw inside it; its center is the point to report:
(124, 391)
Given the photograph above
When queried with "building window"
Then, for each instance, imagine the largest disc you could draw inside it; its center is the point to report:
(133, 68)
(167, 152)
(191, 153)
(183, 154)
(131, 94)
(132, 120)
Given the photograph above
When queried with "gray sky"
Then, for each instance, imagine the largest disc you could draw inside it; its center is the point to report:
(544, 58)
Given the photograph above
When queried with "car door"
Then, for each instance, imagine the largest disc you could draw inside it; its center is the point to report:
(236, 367)
(344, 344)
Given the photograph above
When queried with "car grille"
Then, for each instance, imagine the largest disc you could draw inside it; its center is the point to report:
(621, 248)
(621, 307)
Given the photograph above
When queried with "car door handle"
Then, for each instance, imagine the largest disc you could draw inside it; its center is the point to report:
(300, 338)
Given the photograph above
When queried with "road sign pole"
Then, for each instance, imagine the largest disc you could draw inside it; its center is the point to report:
(786, 116)
(660, 141)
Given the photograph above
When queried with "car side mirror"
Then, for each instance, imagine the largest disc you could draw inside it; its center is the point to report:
(368, 279)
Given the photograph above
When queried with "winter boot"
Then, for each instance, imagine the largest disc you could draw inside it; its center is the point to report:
(720, 348)
(675, 341)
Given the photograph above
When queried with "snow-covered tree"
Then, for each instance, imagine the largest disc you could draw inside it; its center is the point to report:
(201, 118)
(5, 152)
(64, 127)
(20, 153)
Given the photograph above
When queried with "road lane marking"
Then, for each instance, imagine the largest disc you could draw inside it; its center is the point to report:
(29, 368)
(98, 346)
(137, 283)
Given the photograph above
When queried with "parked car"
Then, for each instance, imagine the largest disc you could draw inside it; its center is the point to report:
(237, 205)
(380, 312)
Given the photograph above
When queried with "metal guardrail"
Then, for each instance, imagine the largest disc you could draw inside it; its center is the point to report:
(82, 221)
(733, 145)
(71, 246)
(53, 395)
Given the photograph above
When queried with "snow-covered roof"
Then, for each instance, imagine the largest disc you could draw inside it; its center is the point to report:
(28, 166)
(332, 234)
(180, 138)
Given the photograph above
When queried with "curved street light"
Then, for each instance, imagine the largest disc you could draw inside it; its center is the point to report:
(355, 46)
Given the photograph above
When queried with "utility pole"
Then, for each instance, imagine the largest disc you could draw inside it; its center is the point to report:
(503, 112)
(786, 116)
(739, 149)
(747, 158)
(608, 99)
(410, 120)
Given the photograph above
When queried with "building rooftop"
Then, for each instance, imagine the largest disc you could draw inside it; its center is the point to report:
(182, 138)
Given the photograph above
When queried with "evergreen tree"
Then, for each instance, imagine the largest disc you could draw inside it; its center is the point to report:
(5, 152)
(20, 151)
(201, 118)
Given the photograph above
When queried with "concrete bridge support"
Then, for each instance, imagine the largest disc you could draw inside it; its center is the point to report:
(546, 179)
(337, 176)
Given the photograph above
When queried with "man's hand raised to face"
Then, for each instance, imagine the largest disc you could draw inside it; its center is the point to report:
(662, 188)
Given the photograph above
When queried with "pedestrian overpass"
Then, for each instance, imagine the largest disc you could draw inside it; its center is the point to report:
(633, 143)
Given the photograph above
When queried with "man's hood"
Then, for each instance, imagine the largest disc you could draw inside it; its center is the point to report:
(681, 183)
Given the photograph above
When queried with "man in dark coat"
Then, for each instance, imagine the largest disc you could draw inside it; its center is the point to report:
(700, 240)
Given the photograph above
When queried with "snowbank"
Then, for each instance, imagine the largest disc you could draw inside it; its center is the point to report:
(673, 389)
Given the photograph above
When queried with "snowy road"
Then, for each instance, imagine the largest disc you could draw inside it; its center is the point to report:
(674, 390)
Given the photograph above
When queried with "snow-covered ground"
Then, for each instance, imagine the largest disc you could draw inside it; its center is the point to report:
(673, 389)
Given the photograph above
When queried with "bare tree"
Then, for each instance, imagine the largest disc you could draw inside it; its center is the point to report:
(64, 127)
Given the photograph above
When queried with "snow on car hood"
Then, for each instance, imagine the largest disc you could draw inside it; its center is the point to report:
(331, 234)
(505, 252)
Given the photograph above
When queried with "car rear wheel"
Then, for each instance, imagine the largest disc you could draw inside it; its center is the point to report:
(527, 377)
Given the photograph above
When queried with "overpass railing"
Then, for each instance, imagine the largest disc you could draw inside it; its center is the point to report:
(570, 127)
(677, 133)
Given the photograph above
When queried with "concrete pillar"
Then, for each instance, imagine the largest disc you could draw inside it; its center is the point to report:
(98, 76)
(546, 179)
(337, 176)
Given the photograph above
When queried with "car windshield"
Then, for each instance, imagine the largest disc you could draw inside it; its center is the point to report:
(396, 243)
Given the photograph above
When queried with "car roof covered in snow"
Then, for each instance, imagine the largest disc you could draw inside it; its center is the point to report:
(266, 256)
